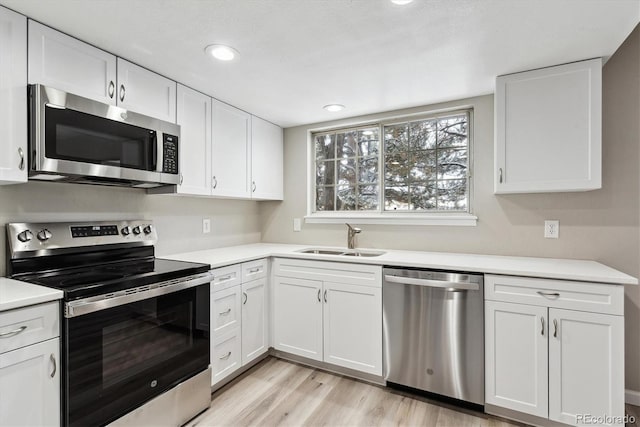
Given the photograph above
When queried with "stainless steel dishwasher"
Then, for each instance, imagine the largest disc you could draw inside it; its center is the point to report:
(433, 324)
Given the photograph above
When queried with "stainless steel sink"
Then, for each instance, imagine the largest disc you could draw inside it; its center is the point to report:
(342, 252)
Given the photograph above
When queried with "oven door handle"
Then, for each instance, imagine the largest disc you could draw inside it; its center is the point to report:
(102, 302)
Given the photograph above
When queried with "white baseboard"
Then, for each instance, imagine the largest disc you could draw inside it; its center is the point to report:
(632, 397)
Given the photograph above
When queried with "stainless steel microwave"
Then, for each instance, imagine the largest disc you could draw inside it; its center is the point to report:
(75, 139)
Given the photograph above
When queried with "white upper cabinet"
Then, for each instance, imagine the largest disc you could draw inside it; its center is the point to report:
(194, 118)
(549, 129)
(146, 92)
(13, 97)
(68, 64)
(231, 155)
(266, 160)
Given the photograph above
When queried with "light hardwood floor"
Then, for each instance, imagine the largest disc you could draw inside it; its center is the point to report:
(281, 393)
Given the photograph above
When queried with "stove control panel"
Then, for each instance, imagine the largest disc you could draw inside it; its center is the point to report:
(28, 237)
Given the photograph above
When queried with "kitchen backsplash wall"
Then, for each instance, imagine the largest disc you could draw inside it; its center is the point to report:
(599, 225)
(178, 219)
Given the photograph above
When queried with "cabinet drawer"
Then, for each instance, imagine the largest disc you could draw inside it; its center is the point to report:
(226, 277)
(254, 270)
(582, 296)
(354, 274)
(29, 325)
(225, 355)
(225, 310)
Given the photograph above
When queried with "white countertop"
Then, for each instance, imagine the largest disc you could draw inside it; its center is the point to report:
(16, 294)
(566, 269)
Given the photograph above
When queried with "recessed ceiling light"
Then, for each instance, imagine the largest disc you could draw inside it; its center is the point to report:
(221, 52)
(334, 107)
(401, 2)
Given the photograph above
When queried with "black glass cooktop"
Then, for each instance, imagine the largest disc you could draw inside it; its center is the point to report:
(102, 279)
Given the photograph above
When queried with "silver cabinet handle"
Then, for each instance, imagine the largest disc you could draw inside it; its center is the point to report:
(55, 366)
(181, 179)
(549, 294)
(255, 270)
(13, 333)
(224, 313)
(246, 297)
(325, 296)
(214, 182)
(253, 189)
(226, 356)
(224, 278)
(555, 328)
(319, 291)
(500, 179)
(542, 330)
(112, 89)
(122, 93)
(21, 154)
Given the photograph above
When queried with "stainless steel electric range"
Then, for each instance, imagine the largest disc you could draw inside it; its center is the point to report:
(135, 329)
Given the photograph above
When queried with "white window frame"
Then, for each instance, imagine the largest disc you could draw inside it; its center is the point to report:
(381, 216)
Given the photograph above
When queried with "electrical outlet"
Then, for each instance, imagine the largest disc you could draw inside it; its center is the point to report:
(206, 226)
(297, 224)
(551, 229)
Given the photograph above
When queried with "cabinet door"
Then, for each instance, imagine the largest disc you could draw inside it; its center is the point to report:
(353, 327)
(516, 348)
(30, 385)
(548, 129)
(226, 311)
(13, 97)
(68, 64)
(146, 92)
(231, 151)
(298, 317)
(586, 365)
(266, 160)
(226, 355)
(254, 319)
(194, 118)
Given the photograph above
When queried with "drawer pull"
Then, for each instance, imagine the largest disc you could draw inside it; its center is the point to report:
(542, 330)
(224, 313)
(255, 270)
(226, 356)
(55, 366)
(549, 294)
(13, 333)
(555, 328)
(225, 278)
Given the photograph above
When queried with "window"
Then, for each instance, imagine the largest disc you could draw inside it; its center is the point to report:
(411, 166)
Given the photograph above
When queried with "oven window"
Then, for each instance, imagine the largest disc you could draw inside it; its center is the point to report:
(75, 136)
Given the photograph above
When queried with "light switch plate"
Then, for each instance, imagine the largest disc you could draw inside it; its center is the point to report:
(206, 226)
(551, 229)
(297, 224)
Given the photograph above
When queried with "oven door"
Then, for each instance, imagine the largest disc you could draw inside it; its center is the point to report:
(120, 357)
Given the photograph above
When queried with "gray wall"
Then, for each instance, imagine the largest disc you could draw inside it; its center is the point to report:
(178, 219)
(598, 225)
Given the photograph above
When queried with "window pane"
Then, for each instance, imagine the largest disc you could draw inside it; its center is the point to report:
(368, 141)
(452, 163)
(396, 198)
(346, 198)
(423, 166)
(324, 199)
(453, 131)
(396, 169)
(325, 147)
(423, 197)
(452, 194)
(367, 197)
(347, 172)
(422, 135)
(325, 173)
(368, 169)
(396, 138)
(347, 144)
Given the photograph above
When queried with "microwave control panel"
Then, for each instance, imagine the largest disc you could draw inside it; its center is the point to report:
(170, 153)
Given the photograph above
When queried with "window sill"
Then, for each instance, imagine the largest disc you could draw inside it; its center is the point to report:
(465, 220)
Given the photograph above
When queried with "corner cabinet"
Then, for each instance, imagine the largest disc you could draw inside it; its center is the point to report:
(329, 312)
(267, 159)
(13, 99)
(548, 129)
(554, 349)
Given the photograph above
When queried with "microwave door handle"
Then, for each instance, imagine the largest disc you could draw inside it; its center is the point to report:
(154, 152)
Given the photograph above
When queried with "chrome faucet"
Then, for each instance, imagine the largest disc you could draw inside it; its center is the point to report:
(351, 236)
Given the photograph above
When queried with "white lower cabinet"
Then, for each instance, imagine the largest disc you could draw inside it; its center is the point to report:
(335, 318)
(226, 355)
(255, 340)
(548, 359)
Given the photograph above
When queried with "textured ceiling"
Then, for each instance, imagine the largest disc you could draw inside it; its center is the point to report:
(371, 55)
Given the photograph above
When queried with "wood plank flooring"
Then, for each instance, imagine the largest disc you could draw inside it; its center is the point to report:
(281, 393)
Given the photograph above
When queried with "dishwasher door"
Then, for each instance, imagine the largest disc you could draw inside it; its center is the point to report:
(433, 326)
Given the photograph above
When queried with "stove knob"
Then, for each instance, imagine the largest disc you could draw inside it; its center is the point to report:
(136, 230)
(148, 229)
(25, 236)
(44, 235)
(125, 231)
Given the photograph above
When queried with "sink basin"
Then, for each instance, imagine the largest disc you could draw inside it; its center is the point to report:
(342, 252)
